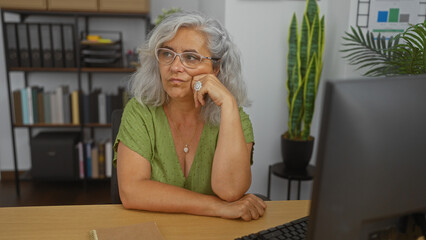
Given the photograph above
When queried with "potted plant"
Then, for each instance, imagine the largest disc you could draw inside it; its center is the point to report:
(387, 57)
(304, 67)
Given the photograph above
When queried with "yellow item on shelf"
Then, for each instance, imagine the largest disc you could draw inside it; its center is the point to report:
(94, 38)
(104, 40)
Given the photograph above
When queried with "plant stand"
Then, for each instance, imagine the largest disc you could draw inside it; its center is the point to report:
(279, 170)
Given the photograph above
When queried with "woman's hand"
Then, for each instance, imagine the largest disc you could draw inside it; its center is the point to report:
(249, 207)
(213, 87)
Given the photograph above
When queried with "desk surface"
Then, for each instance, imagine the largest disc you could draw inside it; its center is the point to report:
(75, 222)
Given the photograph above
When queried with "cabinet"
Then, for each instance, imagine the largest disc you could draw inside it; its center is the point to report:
(111, 6)
(82, 74)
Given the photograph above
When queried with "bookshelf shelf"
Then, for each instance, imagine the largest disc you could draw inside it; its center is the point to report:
(31, 69)
(29, 60)
(42, 125)
(88, 70)
(110, 70)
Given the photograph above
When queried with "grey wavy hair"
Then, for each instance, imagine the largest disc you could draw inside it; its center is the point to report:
(146, 85)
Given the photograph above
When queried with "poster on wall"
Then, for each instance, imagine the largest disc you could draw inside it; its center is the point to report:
(390, 17)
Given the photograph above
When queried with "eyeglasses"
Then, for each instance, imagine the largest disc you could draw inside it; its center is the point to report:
(188, 59)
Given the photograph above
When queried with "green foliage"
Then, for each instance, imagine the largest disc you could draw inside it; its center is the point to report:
(304, 67)
(165, 14)
(383, 58)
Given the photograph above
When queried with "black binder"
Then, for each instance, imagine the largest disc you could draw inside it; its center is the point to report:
(24, 50)
(35, 46)
(57, 43)
(69, 42)
(12, 56)
(46, 45)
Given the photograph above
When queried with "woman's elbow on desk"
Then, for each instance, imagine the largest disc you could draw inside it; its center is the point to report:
(229, 194)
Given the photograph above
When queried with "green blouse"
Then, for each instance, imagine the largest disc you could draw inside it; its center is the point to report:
(145, 130)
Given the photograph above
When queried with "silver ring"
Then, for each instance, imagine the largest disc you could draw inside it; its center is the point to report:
(197, 86)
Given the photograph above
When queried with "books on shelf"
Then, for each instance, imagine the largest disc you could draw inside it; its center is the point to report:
(17, 106)
(98, 162)
(75, 106)
(40, 45)
(32, 105)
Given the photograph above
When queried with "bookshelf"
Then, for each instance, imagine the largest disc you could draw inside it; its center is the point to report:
(79, 70)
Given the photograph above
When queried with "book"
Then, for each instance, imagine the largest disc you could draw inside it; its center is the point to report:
(47, 107)
(80, 159)
(17, 107)
(40, 106)
(86, 108)
(46, 45)
(141, 231)
(75, 106)
(102, 108)
(108, 158)
(12, 45)
(88, 151)
(94, 112)
(54, 112)
(95, 161)
(60, 93)
(68, 31)
(57, 43)
(108, 108)
(67, 107)
(101, 160)
(34, 101)
(35, 45)
(24, 51)
(30, 105)
(24, 102)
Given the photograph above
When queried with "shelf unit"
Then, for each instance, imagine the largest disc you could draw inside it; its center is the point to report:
(79, 70)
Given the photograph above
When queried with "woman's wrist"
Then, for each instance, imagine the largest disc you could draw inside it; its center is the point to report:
(214, 208)
(229, 104)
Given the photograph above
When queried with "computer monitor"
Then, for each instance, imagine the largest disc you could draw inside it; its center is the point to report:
(371, 161)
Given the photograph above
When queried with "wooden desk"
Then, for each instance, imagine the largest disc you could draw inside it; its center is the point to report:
(75, 222)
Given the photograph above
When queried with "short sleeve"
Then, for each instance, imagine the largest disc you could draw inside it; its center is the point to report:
(247, 127)
(247, 130)
(135, 131)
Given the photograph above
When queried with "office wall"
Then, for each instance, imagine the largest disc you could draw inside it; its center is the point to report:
(214, 8)
(259, 27)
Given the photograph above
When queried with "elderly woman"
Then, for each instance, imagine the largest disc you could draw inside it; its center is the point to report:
(185, 144)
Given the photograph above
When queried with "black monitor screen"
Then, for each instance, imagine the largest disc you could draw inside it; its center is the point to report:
(371, 162)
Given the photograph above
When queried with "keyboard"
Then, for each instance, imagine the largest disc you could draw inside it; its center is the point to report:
(294, 230)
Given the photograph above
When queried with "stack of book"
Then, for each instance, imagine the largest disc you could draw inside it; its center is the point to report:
(33, 105)
(40, 45)
(99, 157)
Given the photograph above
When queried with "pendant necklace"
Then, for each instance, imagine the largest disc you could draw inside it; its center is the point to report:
(186, 147)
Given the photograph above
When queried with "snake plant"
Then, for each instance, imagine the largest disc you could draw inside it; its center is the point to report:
(304, 67)
(387, 57)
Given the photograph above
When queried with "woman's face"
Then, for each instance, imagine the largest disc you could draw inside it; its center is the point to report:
(176, 78)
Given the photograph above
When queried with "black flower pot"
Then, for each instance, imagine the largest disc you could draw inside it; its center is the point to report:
(296, 153)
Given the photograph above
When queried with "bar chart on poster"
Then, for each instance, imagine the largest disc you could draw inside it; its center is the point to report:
(390, 17)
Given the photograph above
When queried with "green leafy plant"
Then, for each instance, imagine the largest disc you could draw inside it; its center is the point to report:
(165, 14)
(304, 69)
(383, 57)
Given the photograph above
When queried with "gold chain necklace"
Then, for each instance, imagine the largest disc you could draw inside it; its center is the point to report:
(186, 147)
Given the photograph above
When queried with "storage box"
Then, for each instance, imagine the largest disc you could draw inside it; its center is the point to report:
(74, 5)
(54, 156)
(136, 6)
(24, 4)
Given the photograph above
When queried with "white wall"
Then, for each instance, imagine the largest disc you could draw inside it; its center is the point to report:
(260, 29)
